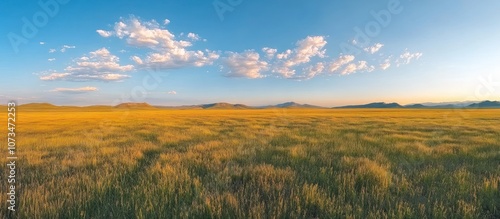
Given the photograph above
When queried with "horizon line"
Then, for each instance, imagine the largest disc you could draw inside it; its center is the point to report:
(430, 104)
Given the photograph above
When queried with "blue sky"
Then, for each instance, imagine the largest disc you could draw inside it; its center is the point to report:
(328, 53)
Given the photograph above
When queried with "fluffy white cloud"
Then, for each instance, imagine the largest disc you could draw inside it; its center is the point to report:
(306, 49)
(313, 70)
(179, 59)
(297, 63)
(76, 90)
(375, 48)
(360, 66)
(51, 59)
(137, 60)
(284, 71)
(167, 51)
(386, 64)
(246, 64)
(193, 36)
(407, 57)
(284, 55)
(65, 47)
(104, 33)
(339, 62)
(99, 65)
(173, 92)
(270, 52)
(42, 43)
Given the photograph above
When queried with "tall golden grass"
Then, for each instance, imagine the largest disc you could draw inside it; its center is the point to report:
(275, 163)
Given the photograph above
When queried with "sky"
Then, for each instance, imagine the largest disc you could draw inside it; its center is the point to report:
(327, 53)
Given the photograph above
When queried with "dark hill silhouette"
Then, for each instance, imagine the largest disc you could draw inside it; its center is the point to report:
(134, 106)
(485, 104)
(445, 106)
(415, 106)
(374, 105)
(224, 106)
(292, 105)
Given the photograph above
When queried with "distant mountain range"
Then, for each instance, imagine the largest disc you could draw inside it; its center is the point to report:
(221, 105)
(374, 105)
(454, 103)
(134, 106)
(224, 106)
(288, 105)
(484, 104)
(240, 106)
(291, 105)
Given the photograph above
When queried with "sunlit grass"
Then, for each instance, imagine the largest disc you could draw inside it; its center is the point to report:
(274, 163)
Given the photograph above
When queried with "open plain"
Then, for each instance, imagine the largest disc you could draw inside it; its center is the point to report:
(259, 163)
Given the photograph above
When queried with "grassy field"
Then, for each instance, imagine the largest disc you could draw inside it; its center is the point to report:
(273, 163)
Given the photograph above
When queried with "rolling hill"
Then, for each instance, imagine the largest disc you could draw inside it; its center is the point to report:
(134, 106)
(293, 105)
(415, 106)
(224, 106)
(374, 105)
(485, 104)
